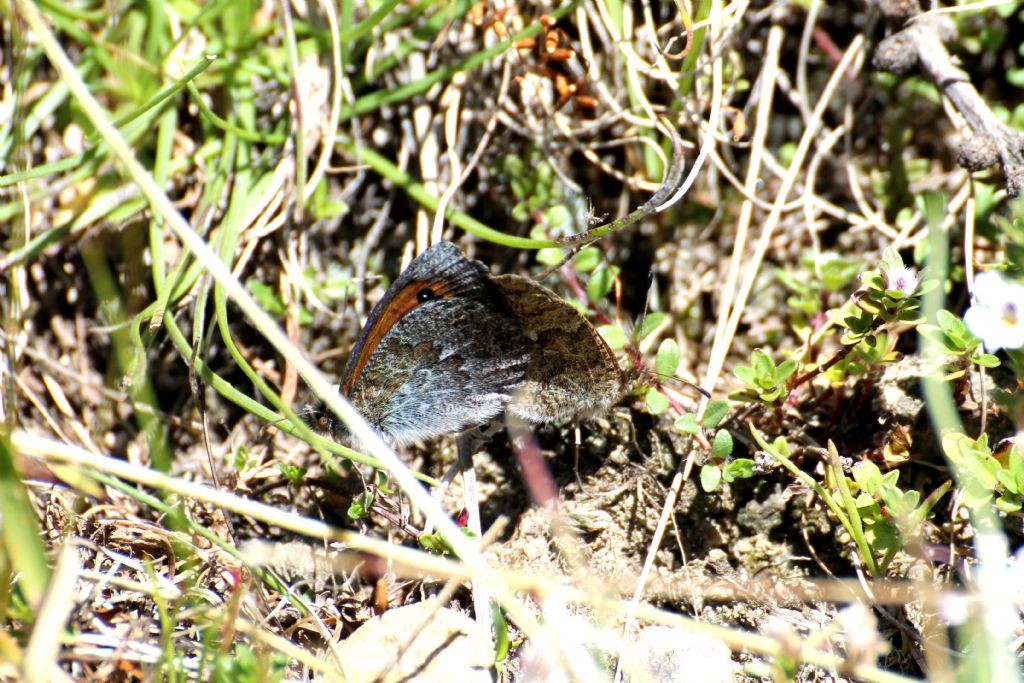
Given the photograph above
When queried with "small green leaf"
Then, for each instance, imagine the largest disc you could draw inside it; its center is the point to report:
(1008, 481)
(667, 360)
(513, 165)
(545, 173)
(430, 542)
(360, 507)
(950, 324)
(292, 473)
(557, 216)
(835, 274)
(657, 402)
(781, 446)
(939, 338)
(501, 637)
(521, 189)
(241, 458)
(650, 322)
(382, 480)
(762, 363)
(975, 495)
(336, 286)
(987, 360)
(891, 259)
(1016, 459)
(520, 212)
(784, 370)
(714, 414)
(1008, 504)
(324, 206)
(266, 296)
(744, 395)
(910, 317)
(790, 282)
(613, 336)
(687, 424)
(601, 283)
(740, 468)
(550, 256)
(588, 259)
(435, 543)
(721, 446)
(872, 279)
(710, 477)
(746, 374)
(867, 475)
(786, 153)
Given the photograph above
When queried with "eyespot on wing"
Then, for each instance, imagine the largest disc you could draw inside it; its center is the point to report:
(441, 351)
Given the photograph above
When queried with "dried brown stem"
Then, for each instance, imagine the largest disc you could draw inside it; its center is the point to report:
(922, 44)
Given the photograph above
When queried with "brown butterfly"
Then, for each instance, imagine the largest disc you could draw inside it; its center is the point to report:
(450, 347)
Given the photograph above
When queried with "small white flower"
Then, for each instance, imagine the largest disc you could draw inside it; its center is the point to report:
(903, 280)
(997, 315)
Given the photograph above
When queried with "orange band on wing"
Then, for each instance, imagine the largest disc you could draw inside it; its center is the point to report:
(403, 301)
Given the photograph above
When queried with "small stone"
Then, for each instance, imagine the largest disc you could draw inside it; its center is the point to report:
(421, 642)
(897, 54)
(565, 650)
(978, 152)
(899, 396)
(586, 521)
(899, 9)
(763, 516)
(662, 654)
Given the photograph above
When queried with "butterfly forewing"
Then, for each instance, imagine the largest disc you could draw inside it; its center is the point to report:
(441, 351)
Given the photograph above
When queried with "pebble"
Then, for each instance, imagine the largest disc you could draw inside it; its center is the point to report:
(437, 645)
(662, 654)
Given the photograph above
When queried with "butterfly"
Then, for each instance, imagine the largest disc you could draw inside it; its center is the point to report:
(450, 346)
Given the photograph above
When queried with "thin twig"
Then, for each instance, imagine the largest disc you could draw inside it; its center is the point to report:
(921, 44)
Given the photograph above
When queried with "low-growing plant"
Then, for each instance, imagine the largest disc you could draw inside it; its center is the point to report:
(271, 300)
(889, 295)
(952, 338)
(666, 362)
(360, 507)
(880, 517)
(766, 382)
(720, 465)
(243, 665)
(363, 503)
(867, 356)
(539, 198)
(808, 295)
(987, 475)
(890, 516)
(294, 474)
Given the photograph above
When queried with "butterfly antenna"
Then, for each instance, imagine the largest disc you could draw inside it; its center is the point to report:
(659, 201)
(667, 379)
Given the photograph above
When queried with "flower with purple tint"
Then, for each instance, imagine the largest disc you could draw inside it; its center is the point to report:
(903, 280)
(997, 314)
